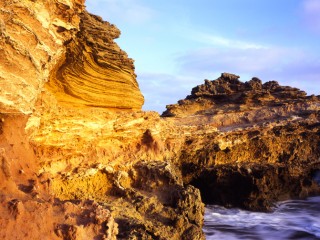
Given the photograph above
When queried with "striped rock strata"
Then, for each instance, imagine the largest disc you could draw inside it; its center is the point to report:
(94, 70)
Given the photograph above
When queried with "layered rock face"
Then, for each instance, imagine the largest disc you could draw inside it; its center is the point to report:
(80, 160)
(95, 71)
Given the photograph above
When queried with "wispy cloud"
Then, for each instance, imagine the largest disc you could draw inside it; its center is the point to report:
(311, 11)
(220, 41)
(249, 60)
(130, 11)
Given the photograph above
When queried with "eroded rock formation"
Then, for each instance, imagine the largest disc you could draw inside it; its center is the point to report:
(95, 71)
(265, 147)
(228, 94)
(79, 157)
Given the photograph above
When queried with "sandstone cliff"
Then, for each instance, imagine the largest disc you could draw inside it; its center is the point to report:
(80, 160)
(71, 144)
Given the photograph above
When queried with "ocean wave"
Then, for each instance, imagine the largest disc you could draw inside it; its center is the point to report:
(293, 219)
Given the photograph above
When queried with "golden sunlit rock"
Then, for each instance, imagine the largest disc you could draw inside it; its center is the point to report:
(31, 45)
(95, 71)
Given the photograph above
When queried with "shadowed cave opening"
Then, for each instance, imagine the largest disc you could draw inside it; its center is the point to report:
(256, 187)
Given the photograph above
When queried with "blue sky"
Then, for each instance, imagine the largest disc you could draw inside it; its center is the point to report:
(177, 44)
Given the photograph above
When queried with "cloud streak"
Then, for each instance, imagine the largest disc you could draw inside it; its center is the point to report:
(216, 40)
(248, 60)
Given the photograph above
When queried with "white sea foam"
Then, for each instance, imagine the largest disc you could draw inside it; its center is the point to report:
(294, 219)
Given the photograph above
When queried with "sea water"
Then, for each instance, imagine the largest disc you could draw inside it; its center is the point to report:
(292, 219)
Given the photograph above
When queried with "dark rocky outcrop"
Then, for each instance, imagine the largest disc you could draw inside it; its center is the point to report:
(228, 93)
